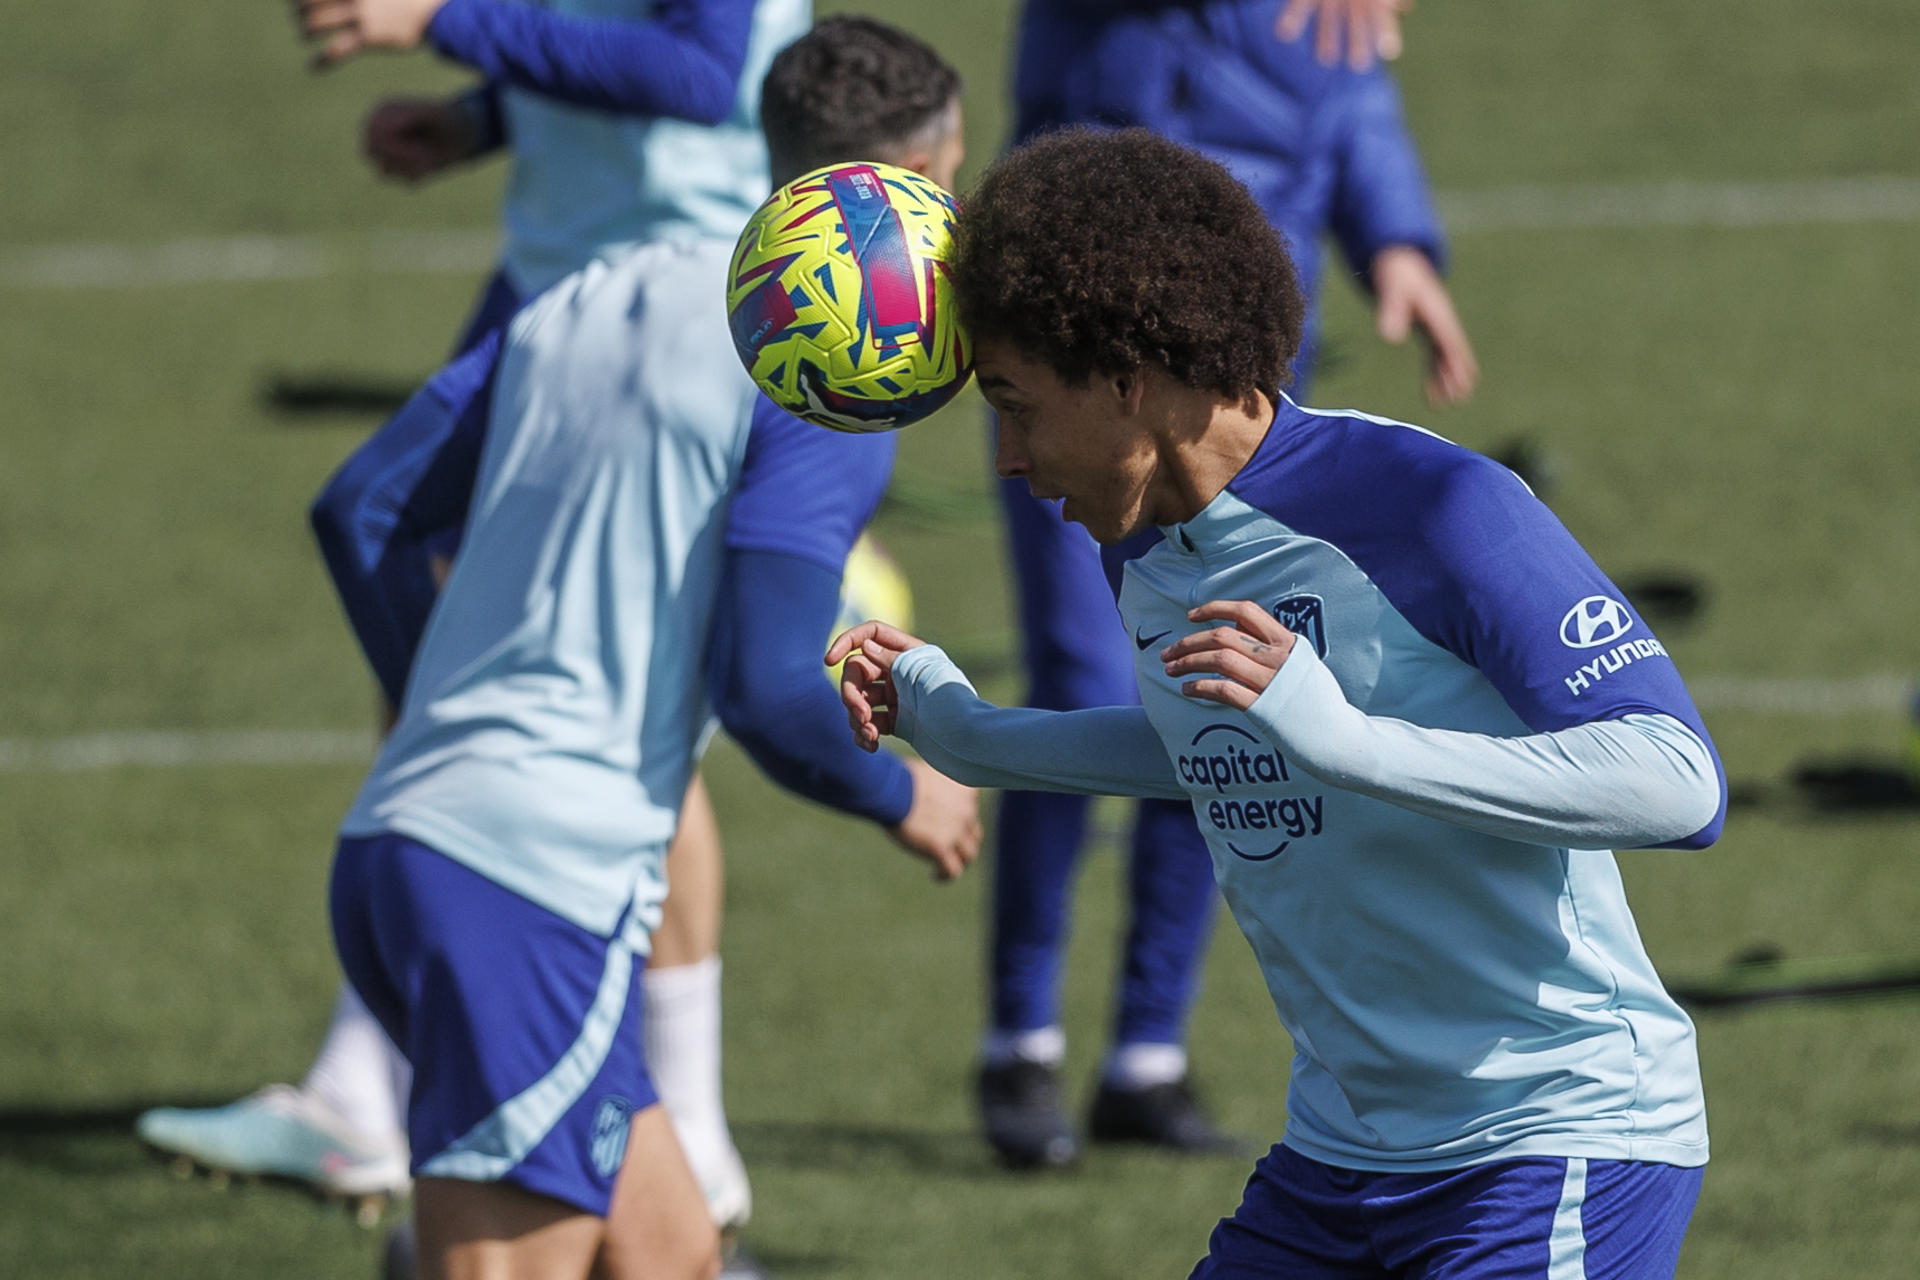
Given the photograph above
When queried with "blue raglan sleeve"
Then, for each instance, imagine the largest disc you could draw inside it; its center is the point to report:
(1481, 568)
(804, 496)
(1381, 197)
(401, 494)
(683, 61)
(1510, 591)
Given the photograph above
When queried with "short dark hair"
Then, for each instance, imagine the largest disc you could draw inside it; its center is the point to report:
(850, 89)
(1100, 252)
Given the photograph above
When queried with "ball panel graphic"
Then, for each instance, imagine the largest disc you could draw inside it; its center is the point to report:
(839, 300)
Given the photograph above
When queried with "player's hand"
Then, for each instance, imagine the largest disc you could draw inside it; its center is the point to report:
(866, 683)
(1368, 29)
(1235, 663)
(1408, 295)
(346, 27)
(943, 826)
(413, 138)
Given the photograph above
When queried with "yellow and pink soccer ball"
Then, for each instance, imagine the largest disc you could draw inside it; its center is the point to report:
(840, 302)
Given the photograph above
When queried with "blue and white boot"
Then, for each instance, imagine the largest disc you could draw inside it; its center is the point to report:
(283, 1132)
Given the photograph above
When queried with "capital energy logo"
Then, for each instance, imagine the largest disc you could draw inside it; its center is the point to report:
(1229, 761)
(1595, 621)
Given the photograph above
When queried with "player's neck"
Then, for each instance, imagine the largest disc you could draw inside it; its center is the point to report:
(1208, 443)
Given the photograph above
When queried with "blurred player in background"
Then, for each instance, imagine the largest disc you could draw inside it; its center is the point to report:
(622, 123)
(341, 1128)
(1324, 149)
(1408, 711)
(640, 516)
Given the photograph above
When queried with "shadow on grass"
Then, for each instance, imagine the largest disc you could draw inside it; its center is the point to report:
(1824, 789)
(1886, 1135)
(1858, 785)
(327, 393)
(853, 1148)
(86, 1139)
(779, 1262)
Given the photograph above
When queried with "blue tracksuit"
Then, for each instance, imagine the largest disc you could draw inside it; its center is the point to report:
(1324, 150)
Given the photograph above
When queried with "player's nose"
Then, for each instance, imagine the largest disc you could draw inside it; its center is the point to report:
(1010, 459)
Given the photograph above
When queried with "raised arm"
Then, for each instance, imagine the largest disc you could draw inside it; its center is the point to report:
(684, 60)
(898, 684)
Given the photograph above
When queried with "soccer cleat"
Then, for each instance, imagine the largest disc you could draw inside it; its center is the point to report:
(281, 1132)
(1020, 1109)
(1161, 1115)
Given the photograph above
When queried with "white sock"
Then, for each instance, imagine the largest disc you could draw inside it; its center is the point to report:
(681, 1031)
(1141, 1066)
(1044, 1045)
(358, 1074)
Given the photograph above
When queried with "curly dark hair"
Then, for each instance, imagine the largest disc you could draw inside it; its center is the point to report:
(851, 89)
(1101, 252)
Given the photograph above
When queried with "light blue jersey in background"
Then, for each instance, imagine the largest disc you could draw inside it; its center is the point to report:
(551, 719)
(586, 180)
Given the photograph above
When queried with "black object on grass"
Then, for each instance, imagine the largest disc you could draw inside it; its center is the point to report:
(1860, 785)
(301, 394)
(1763, 975)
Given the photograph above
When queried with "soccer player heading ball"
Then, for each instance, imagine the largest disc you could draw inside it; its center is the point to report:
(1410, 715)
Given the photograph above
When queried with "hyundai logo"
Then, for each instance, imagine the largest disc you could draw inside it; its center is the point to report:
(1595, 621)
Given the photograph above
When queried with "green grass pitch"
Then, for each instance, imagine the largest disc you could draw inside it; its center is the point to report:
(1735, 401)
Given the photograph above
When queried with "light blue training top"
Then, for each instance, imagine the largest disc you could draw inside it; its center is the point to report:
(585, 180)
(1411, 824)
(554, 709)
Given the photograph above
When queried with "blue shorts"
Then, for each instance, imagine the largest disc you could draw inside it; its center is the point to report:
(523, 1028)
(1527, 1219)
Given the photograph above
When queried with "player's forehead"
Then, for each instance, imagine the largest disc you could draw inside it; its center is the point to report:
(1002, 370)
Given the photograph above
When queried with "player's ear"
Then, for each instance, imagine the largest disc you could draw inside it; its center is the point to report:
(1128, 389)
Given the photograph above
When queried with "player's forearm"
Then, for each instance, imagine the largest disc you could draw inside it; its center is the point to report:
(1628, 783)
(801, 743)
(386, 586)
(685, 63)
(1104, 751)
(405, 486)
(768, 690)
(1382, 198)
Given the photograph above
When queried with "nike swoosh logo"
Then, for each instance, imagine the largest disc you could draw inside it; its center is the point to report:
(1143, 641)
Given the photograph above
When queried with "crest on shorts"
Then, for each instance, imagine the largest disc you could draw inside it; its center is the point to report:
(1302, 615)
(611, 1124)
